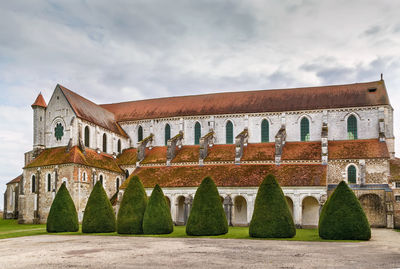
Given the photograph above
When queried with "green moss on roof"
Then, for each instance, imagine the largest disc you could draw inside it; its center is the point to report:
(187, 154)
(221, 153)
(155, 155)
(127, 157)
(56, 156)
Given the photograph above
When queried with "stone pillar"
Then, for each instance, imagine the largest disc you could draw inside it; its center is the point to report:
(173, 208)
(188, 207)
(228, 209)
(297, 211)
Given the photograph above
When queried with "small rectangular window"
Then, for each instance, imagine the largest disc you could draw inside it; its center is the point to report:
(397, 198)
(397, 184)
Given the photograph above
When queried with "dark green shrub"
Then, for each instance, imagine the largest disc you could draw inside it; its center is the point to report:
(62, 216)
(271, 216)
(133, 206)
(157, 217)
(342, 217)
(99, 216)
(207, 216)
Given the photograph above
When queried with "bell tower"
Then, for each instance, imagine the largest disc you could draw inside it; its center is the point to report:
(39, 122)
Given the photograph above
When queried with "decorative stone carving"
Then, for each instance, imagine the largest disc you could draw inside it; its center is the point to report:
(280, 140)
(228, 209)
(206, 141)
(142, 148)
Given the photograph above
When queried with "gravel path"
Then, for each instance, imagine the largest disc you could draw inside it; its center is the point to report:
(58, 251)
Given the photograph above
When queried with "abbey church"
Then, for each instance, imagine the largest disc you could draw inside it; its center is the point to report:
(309, 138)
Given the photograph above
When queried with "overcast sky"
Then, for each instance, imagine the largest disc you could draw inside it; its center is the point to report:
(111, 51)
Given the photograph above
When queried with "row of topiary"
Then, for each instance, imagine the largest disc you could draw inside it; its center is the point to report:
(341, 217)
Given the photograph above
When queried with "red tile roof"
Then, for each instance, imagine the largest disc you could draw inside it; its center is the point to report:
(15, 180)
(259, 152)
(231, 175)
(220, 153)
(155, 155)
(357, 149)
(302, 151)
(127, 157)
(39, 101)
(87, 110)
(56, 156)
(187, 154)
(336, 96)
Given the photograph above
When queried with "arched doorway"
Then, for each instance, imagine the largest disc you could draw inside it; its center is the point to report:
(374, 209)
(240, 211)
(310, 212)
(290, 204)
(180, 212)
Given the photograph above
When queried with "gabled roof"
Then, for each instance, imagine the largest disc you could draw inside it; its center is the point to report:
(357, 149)
(39, 101)
(325, 97)
(59, 155)
(15, 180)
(87, 110)
(231, 175)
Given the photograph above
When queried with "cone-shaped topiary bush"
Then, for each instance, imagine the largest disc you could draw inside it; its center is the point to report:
(99, 216)
(62, 216)
(271, 216)
(207, 216)
(157, 217)
(133, 206)
(342, 217)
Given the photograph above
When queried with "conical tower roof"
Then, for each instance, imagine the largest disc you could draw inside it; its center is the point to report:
(39, 101)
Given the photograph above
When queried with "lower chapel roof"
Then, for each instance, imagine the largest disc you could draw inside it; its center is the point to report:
(224, 174)
(309, 98)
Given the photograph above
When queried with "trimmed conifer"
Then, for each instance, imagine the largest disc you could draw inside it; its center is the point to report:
(62, 216)
(271, 216)
(342, 217)
(99, 216)
(133, 206)
(157, 217)
(207, 216)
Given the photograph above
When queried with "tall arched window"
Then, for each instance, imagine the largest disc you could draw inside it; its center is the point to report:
(48, 182)
(264, 131)
(104, 142)
(117, 183)
(305, 129)
(119, 146)
(33, 184)
(352, 127)
(87, 137)
(197, 133)
(352, 174)
(126, 173)
(140, 134)
(101, 179)
(167, 134)
(229, 132)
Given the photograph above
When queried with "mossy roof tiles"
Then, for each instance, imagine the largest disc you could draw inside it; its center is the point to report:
(220, 153)
(56, 156)
(127, 157)
(187, 154)
(244, 175)
(357, 149)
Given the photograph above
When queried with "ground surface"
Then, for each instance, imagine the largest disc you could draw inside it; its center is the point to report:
(70, 251)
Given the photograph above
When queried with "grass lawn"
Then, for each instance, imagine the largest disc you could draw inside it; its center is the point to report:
(10, 228)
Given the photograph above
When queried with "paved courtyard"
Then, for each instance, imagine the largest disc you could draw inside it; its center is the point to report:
(61, 251)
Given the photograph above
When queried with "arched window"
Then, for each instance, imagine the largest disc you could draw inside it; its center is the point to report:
(229, 132)
(33, 185)
(352, 127)
(84, 176)
(197, 133)
(48, 182)
(87, 137)
(119, 146)
(117, 183)
(264, 131)
(305, 129)
(352, 174)
(104, 142)
(101, 179)
(126, 173)
(167, 133)
(140, 134)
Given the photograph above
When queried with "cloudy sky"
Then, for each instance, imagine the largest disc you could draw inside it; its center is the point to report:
(130, 50)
